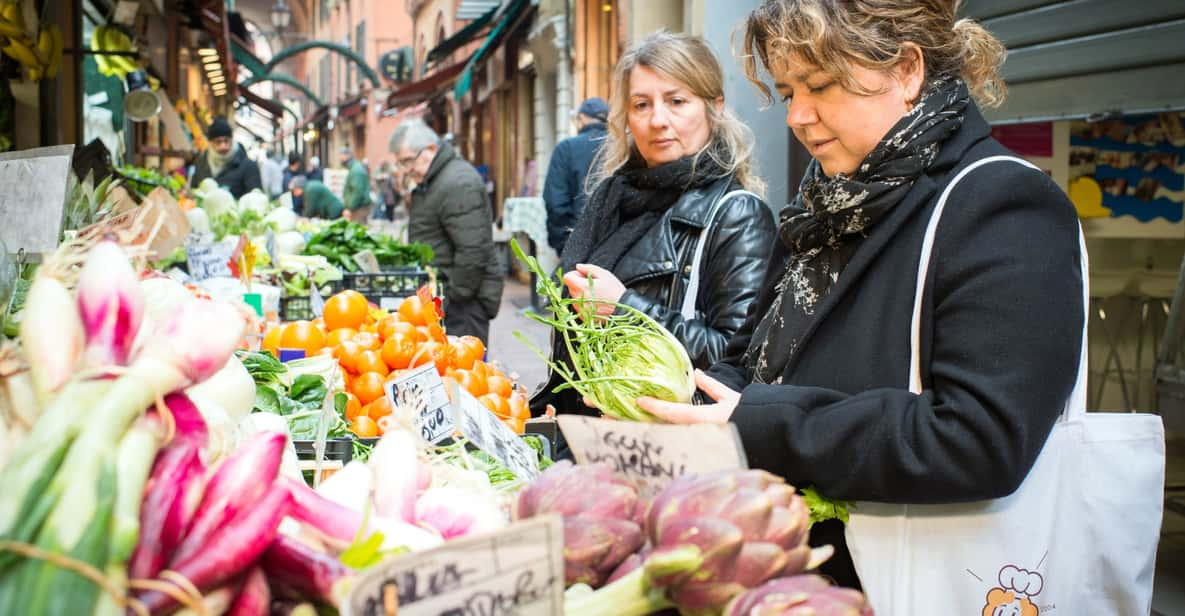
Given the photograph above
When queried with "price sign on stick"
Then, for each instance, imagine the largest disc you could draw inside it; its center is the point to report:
(423, 390)
(653, 455)
(517, 571)
(206, 257)
(479, 425)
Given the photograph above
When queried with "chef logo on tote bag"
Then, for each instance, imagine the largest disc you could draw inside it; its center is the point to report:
(1014, 595)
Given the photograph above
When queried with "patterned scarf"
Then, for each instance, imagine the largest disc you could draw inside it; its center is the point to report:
(628, 204)
(828, 217)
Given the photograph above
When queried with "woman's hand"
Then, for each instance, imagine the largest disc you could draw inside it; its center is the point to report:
(675, 412)
(597, 284)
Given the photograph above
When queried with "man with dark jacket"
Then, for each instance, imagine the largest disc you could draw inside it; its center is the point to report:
(563, 191)
(226, 162)
(450, 212)
(356, 193)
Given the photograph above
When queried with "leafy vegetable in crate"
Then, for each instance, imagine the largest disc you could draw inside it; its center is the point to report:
(342, 239)
(616, 358)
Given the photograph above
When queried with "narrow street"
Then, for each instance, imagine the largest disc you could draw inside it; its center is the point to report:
(505, 348)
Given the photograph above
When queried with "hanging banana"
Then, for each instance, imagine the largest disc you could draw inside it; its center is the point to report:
(57, 51)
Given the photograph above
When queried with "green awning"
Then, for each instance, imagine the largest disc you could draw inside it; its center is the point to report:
(459, 39)
(247, 59)
(510, 16)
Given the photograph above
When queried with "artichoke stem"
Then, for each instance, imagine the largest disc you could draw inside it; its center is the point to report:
(630, 595)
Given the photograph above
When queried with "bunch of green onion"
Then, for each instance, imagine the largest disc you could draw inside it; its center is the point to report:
(616, 358)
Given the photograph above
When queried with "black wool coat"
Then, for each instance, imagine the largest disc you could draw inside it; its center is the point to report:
(1001, 329)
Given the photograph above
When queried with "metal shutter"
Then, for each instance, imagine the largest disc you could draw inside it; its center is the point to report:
(1080, 58)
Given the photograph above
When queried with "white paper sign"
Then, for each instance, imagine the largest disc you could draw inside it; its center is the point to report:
(390, 304)
(436, 418)
(316, 302)
(653, 455)
(367, 261)
(517, 571)
(484, 429)
(33, 198)
(207, 258)
(335, 179)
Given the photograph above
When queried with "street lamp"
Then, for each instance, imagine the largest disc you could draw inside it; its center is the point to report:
(281, 16)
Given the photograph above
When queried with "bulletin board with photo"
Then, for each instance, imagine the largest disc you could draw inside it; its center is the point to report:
(1130, 168)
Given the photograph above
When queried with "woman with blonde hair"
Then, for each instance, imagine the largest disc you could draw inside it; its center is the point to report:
(673, 187)
(819, 382)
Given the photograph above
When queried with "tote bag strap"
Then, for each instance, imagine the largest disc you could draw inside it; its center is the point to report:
(688, 309)
(1076, 404)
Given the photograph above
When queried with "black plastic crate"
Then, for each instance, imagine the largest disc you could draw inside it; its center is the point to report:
(387, 288)
(341, 449)
(296, 308)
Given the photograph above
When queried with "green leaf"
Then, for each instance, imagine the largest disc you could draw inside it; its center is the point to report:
(266, 399)
(823, 508)
(309, 390)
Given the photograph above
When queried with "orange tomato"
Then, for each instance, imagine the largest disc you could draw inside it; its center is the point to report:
(353, 407)
(472, 382)
(368, 387)
(391, 325)
(271, 340)
(302, 335)
(517, 425)
(500, 385)
(347, 354)
(340, 335)
(368, 341)
(431, 351)
(369, 328)
(484, 368)
(465, 351)
(364, 427)
(519, 406)
(319, 323)
(380, 408)
(497, 405)
(415, 311)
(345, 309)
(398, 350)
(371, 361)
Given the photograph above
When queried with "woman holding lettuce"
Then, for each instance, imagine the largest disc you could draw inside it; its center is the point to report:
(884, 96)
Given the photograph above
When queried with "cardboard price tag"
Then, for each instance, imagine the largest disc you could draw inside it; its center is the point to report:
(33, 198)
(367, 262)
(653, 455)
(484, 429)
(206, 257)
(518, 570)
(423, 388)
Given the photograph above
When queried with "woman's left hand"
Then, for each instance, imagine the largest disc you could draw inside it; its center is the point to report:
(675, 412)
(597, 284)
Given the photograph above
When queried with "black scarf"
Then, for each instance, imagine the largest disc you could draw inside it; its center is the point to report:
(631, 202)
(828, 217)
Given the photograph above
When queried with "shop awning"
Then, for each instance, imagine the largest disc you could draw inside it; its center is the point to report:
(426, 88)
(273, 108)
(461, 38)
(320, 114)
(246, 59)
(509, 18)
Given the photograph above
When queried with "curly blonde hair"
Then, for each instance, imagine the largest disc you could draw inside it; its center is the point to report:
(832, 35)
(688, 60)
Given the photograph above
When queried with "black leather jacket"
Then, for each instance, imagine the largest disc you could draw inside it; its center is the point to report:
(657, 270)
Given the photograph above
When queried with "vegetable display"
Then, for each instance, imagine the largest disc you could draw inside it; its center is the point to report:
(342, 239)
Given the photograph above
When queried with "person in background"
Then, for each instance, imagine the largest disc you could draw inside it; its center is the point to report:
(315, 172)
(356, 194)
(271, 173)
(295, 167)
(384, 186)
(450, 211)
(885, 96)
(318, 200)
(564, 191)
(674, 152)
(226, 162)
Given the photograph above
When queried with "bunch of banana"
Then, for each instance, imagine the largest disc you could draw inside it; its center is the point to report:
(110, 38)
(41, 57)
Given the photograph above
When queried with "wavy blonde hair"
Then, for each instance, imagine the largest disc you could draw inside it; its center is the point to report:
(832, 35)
(688, 60)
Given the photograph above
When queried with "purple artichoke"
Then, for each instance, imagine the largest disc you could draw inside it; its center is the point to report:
(800, 595)
(602, 517)
(713, 537)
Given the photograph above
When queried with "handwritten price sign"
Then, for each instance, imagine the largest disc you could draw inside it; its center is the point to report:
(485, 430)
(517, 571)
(423, 389)
(206, 257)
(653, 455)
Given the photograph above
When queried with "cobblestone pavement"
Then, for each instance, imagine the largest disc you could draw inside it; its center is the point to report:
(505, 348)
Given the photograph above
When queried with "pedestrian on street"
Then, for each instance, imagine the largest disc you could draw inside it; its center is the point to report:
(356, 193)
(226, 162)
(319, 201)
(450, 212)
(315, 171)
(675, 178)
(295, 167)
(271, 174)
(886, 98)
(564, 190)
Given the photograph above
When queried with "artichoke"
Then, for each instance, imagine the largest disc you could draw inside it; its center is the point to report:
(712, 537)
(602, 517)
(800, 595)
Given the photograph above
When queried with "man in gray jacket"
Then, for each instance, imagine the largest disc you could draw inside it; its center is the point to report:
(451, 212)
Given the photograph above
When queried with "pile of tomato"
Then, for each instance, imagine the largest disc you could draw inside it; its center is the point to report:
(373, 347)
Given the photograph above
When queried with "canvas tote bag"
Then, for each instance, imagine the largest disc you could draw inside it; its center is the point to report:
(1078, 538)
